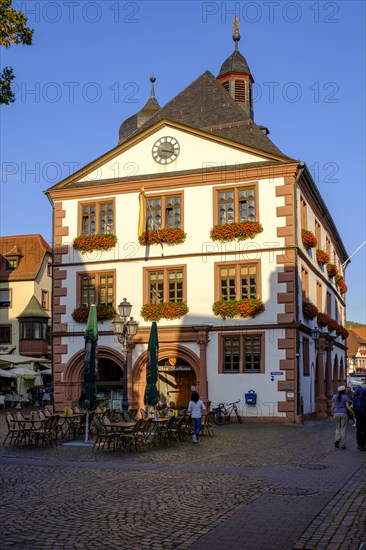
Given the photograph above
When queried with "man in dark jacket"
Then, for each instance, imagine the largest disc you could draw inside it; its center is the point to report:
(359, 408)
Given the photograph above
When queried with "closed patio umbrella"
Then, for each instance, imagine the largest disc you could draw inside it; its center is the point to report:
(7, 374)
(151, 391)
(88, 397)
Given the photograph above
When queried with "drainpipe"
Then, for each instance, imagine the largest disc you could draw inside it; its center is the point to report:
(301, 169)
(53, 290)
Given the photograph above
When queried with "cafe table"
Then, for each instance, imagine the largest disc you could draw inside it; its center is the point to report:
(121, 431)
(27, 426)
(66, 422)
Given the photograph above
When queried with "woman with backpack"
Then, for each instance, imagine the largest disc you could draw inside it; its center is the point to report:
(359, 408)
(340, 406)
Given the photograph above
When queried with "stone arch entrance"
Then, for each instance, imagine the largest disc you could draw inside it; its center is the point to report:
(109, 378)
(178, 372)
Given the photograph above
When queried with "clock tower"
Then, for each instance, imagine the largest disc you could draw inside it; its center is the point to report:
(236, 78)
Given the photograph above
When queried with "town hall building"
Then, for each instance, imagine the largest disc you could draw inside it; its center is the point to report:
(217, 235)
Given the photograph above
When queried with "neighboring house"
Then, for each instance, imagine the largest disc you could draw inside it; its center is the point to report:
(226, 261)
(356, 353)
(25, 295)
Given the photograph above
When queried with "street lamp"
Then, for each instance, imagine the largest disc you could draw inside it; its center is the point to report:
(315, 333)
(125, 331)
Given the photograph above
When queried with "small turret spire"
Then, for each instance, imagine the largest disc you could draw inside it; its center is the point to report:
(236, 34)
(152, 80)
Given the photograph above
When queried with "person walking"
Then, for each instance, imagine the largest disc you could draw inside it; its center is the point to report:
(196, 408)
(350, 395)
(359, 408)
(340, 406)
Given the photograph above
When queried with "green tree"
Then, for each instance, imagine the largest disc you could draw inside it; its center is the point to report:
(13, 30)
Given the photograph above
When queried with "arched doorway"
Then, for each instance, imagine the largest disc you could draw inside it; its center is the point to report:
(109, 379)
(176, 379)
(109, 383)
(178, 372)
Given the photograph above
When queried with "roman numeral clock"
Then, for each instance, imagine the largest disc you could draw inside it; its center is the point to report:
(165, 150)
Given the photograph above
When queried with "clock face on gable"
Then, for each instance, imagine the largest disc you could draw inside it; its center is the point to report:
(165, 150)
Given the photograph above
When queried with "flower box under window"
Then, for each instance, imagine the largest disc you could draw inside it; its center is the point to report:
(88, 243)
(308, 239)
(322, 257)
(235, 231)
(164, 310)
(248, 307)
(309, 311)
(332, 270)
(104, 313)
(169, 236)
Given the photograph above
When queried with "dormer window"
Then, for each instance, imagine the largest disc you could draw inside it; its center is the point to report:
(13, 258)
(13, 263)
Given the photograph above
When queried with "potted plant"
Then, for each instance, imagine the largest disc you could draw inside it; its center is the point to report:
(248, 307)
(308, 239)
(309, 311)
(332, 325)
(332, 270)
(100, 241)
(322, 257)
(104, 313)
(340, 283)
(323, 319)
(170, 236)
(235, 231)
(164, 310)
(343, 332)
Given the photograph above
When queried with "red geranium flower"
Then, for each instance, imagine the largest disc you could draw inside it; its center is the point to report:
(104, 313)
(308, 239)
(169, 235)
(332, 270)
(248, 307)
(164, 310)
(322, 257)
(309, 311)
(231, 231)
(88, 243)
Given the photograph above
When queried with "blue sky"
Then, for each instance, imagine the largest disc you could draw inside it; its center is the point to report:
(89, 68)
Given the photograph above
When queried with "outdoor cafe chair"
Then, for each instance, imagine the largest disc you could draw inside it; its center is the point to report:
(177, 429)
(14, 429)
(47, 413)
(42, 415)
(105, 434)
(47, 433)
(165, 430)
(128, 439)
(146, 432)
(207, 422)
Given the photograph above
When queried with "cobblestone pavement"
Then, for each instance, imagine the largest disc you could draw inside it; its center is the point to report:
(269, 487)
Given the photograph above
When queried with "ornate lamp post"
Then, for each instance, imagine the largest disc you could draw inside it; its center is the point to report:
(125, 330)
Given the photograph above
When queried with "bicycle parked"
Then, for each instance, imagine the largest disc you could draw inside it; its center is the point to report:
(224, 411)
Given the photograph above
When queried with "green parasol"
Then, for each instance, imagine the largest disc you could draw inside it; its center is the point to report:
(151, 393)
(88, 397)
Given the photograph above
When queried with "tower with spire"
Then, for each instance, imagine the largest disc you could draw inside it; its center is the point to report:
(137, 120)
(235, 76)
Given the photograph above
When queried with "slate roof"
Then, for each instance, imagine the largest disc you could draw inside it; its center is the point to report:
(138, 119)
(32, 249)
(206, 105)
(236, 63)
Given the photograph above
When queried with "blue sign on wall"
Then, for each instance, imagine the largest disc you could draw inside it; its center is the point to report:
(276, 373)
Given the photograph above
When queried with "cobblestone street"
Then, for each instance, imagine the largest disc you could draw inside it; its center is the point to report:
(248, 486)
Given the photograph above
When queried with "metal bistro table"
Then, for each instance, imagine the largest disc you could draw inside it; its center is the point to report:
(66, 422)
